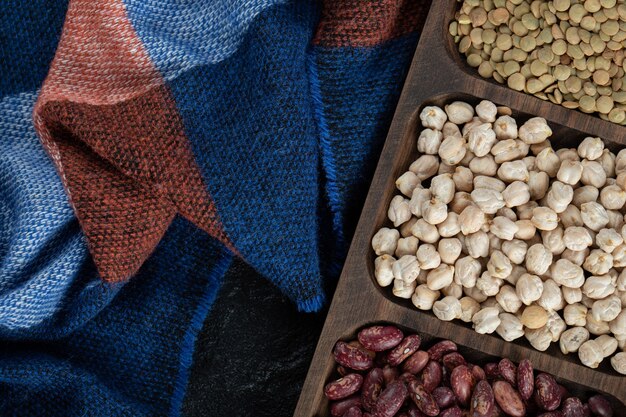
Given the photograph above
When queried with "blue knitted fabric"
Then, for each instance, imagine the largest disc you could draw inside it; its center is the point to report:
(283, 107)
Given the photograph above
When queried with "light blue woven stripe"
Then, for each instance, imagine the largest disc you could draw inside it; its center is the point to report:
(41, 246)
(180, 35)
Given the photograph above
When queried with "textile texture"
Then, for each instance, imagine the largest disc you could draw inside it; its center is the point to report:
(146, 144)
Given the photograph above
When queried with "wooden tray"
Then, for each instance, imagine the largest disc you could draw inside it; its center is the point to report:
(438, 75)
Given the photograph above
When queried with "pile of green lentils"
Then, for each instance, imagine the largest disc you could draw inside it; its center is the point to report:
(570, 52)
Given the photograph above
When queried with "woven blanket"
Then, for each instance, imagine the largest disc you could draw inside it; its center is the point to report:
(144, 145)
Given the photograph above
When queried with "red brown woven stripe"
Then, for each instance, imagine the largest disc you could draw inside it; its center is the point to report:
(113, 130)
(355, 23)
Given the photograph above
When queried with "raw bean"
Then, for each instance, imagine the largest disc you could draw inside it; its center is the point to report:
(572, 407)
(452, 412)
(525, 379)
(390, 373)
(423, 400)
(452, 360)
(547, 392)
(445, 377)
(407, 377)
(343, 387)
(413, 411)
(359, 345)
(406, 348)
(444, 397)
(379, 338)
(353, 412)
(477, 372)
(508, 371)
(482, 400)
(371, 388)
(462, 383)
(600, 406)
(508, 399)
(416, 362)
(441, 348)
(339, 408)
(352, 357)
(492, 371)
(551, 414)
(431, 376)
(391, 399)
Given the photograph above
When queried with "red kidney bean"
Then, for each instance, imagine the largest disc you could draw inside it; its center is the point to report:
(444, 397)
(408, 377)
(380, 338)
(477, 372)
(497, 411)
(600, 406)
(548, 393)
(462, 383)
(492, 371)
(406, 348)
(371, 388)
(452, 412)
(423, 400)
(525, 379)
(343, 387)
(452, 360)
(413, 411)
(586, 410)
(564, 392)
(391, 399)
(367, 415)
(441, 348)
(339, 408)
(359, 345)
(390, 373)
(551, 414)
(352, 357)
(353, 412)
(482, 401)
(572, 407)
(508, 371)
(342, 371)
(416, 362)
(431, 376)
(508, 399)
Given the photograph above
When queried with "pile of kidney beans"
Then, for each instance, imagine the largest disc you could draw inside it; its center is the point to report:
(385, 374)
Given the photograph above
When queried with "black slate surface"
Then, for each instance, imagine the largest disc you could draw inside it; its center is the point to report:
(253, 352)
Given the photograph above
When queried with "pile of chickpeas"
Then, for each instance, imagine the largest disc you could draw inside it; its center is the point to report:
(495, 227)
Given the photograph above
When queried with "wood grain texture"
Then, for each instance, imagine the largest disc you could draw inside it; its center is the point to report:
(437, 76)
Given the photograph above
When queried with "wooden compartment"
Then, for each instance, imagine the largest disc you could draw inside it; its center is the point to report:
(438, 76)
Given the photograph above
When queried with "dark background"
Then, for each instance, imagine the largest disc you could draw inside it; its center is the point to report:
(254, 350)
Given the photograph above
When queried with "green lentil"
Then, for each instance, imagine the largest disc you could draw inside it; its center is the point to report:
(474, 60)
(617, 115)
(604, 104)
(559, 47)
(485, 69)
(504, 42)
(516, 81)
(528, 43)
(561, 5)
(538, 68)
(576, 13)
(562, 72)
(587, 103)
